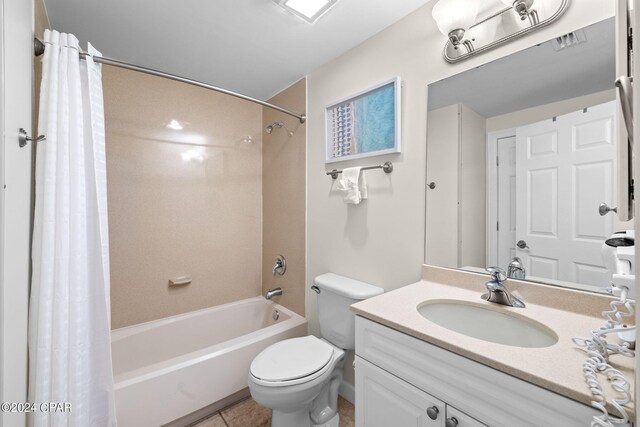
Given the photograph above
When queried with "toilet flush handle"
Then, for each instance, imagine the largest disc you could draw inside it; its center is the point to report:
(315, 289)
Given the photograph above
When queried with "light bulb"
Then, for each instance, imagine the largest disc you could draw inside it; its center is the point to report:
(454, 15)
(524, 8)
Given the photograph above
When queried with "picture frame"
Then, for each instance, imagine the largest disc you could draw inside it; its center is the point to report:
(365, 124)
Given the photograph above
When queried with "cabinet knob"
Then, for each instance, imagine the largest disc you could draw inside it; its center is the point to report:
(451, 422)
(433, 412)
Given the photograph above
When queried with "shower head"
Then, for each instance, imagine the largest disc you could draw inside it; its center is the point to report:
(274, 125)
(278, 125)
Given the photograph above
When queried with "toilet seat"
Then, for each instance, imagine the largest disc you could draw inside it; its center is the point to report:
(292, 361)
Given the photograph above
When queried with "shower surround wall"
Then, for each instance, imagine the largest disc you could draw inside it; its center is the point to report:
(181, 202)
(283, 189)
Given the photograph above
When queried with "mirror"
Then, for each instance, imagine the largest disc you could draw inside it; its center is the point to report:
(520, 154)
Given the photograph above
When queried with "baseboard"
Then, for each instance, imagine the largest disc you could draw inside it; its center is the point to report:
(198, 415)
(348, 391)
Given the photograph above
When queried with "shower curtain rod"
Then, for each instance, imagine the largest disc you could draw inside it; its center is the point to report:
(39, 48)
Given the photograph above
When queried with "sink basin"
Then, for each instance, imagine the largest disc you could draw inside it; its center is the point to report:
(479, 321)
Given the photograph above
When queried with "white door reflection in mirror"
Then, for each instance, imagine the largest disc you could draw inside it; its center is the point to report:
(549, 198)
(565, 169)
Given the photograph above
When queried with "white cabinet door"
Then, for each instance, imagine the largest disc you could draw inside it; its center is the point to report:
(455, 418)
(506, 200)
(442, 238)
(383, 400)
(564, 170)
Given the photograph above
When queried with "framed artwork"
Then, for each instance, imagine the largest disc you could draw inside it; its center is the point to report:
(365, 124)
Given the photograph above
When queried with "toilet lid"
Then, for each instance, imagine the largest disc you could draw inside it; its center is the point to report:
(291, 359)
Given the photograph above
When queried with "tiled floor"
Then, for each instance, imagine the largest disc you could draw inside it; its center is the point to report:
(248, 413)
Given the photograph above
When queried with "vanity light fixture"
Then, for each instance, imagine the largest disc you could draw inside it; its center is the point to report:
(309, 10)
(458, 20)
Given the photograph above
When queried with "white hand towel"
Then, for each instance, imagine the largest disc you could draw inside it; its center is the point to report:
(354, 185)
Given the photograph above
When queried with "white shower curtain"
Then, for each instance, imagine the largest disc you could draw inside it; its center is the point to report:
(69, 313)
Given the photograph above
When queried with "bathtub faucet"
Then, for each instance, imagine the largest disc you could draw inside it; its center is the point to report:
(273, 292)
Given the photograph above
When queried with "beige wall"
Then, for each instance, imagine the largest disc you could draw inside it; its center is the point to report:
(41, 18)
(171, 217)
(382, 240)
(283, 193)
(41, 23)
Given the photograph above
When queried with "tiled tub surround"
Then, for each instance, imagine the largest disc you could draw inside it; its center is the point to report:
(283, 198)
(181, 202)
(167, 369)
(568, 313)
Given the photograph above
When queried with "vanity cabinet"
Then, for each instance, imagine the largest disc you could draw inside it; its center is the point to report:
(399, 377)
(384, 400)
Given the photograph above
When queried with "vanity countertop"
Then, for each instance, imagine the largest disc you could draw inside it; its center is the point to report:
(567, 312)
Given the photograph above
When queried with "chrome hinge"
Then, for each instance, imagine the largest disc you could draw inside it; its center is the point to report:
(497, 161)
(497, 226)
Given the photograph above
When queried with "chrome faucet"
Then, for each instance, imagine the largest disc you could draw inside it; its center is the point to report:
(273, 292)
(497, 292)
(516, 269)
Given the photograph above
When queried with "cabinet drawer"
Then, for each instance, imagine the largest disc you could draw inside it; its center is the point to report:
(383, 400)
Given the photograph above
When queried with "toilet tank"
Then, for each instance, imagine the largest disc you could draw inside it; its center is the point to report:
(335, 295)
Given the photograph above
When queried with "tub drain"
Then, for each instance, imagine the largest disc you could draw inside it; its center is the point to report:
(276, 314)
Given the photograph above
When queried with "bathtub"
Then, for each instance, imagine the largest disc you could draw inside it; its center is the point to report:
(167, 369)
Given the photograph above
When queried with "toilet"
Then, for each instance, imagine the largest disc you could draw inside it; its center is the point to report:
(299, 378)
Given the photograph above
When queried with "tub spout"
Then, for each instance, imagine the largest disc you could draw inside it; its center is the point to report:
(273, 292)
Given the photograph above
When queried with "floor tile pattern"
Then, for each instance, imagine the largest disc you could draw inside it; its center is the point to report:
(248, 413)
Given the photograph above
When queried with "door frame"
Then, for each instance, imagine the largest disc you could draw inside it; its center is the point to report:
(492, 192)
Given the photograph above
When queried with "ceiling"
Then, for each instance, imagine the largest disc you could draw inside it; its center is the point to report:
(250, 46)
(535, 76)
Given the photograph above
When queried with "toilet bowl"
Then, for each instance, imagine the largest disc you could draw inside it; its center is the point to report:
(299, 378)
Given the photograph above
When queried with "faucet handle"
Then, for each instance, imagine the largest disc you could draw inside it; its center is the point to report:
(497, 274)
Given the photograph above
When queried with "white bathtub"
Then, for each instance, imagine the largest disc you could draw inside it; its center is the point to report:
(172, 367)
